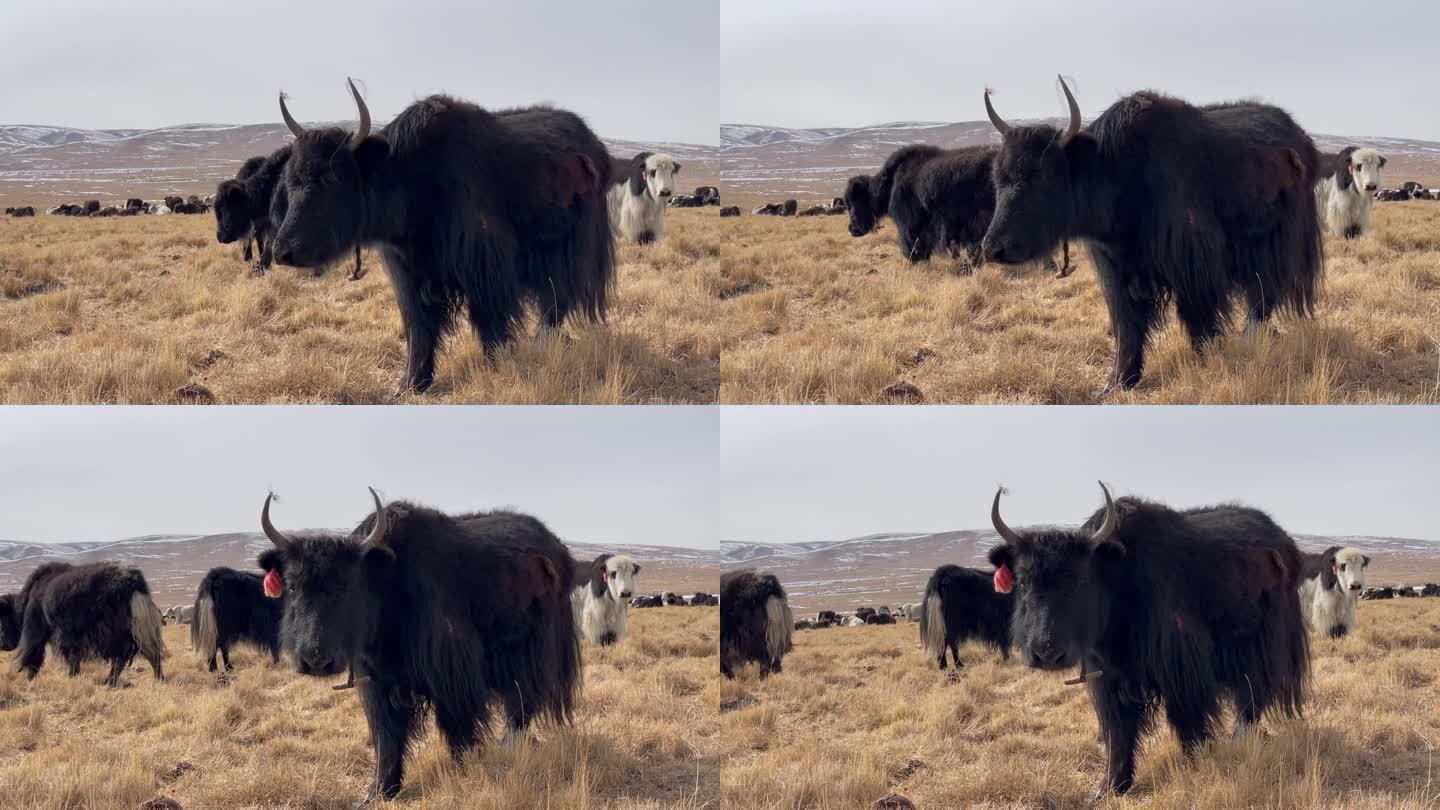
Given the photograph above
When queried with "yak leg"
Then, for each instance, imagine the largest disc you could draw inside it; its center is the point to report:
(1132, 316)
(359, 271)
(1202, 315)
(393, 718)
(117, 665)
(246, 254)
(459, 725)
(518, 713)
(1191, 724)
(424, 314)
(955, 656)
(211, 663)
(33, 638)
(1123, 718)
(225, 655)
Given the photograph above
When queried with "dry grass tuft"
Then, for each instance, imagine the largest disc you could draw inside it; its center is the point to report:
(812, 315)
(859, 713)
(646, 736)
(148, 310)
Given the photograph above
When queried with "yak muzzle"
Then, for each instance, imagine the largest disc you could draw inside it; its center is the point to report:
(1047, 656)
(318, 664)
(1355, 587)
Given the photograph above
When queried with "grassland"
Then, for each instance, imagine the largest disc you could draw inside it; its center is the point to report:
(153, 310)
(812, 315)
(859, 714)
(646, 736)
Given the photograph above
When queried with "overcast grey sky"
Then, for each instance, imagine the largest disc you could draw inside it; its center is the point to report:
(637, 69)
(829, 473)
(593, 474)
(1338, 66)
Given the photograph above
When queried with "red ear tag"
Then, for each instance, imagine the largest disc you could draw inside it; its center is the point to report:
(1334, 569)
(1004, 581)
(274, 585)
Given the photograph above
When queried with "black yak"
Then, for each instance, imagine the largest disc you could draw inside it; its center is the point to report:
(730, 211)
(242, 203)
(230, 607)
(96, 610)
(1195, 204)
(472, 210)
(755, 622)
(1161, 606)
(432, 612)
(961, 604)
(939, 199)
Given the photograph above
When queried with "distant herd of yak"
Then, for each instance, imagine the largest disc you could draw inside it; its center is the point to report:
(460, 615)
(487, 213)
(1186, 609)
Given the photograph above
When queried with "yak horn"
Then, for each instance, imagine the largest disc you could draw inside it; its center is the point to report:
(1111, 519)
(363, 131)
(1006, 533)
(280, 540)
(295, 128)
(377, 534)
(1074, 113)
(995, 119)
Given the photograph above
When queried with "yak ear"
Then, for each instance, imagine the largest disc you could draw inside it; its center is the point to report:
(1109, 550)
(1365, 560)
(677, 168)
(1345, 179)
(1002, 554)
(1382, 161)
(1328, 579)
(271, 559)
(636, 572)
(372, 153)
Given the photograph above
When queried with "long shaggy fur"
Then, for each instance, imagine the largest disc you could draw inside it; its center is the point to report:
(1176, 202)
(97, 610)
(755, 622)
(961, 604)
(454, 614)
(242, 205)
(231, 607)
(474, 211)
(1181, 608)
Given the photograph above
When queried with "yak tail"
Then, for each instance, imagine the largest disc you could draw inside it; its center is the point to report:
(203, 630)
(779, 624)
(145, 624)
(932, 625)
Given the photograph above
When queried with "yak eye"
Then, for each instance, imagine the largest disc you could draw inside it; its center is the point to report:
(652, 172)
(1342, 566)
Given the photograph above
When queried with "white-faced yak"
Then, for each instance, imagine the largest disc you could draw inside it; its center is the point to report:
(1176, 202)
(1330, 587)
(473, 211)
(640, 190)
(429, 612)
(1345, 193)
(962, 604)
(231, 607)
(1161, 607)
(603, 588)
(96, 610)
(755, 622)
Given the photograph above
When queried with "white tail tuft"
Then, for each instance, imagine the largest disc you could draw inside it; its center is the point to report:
(203, 631)
(145, 627)
(779, 624)
(934, 619)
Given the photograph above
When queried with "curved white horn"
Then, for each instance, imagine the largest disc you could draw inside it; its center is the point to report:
(363, 131)
(1074, 112)
(376, 537)
(1112, 518)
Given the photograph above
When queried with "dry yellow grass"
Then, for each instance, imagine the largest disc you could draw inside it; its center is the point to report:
(646, 736)
(839, 728)
(814, 316)
(142, 310)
